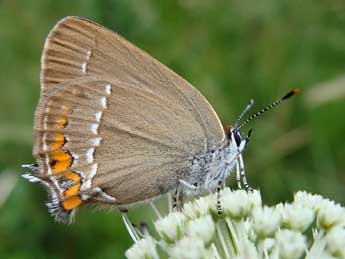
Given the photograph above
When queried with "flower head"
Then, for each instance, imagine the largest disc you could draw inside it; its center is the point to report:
(238, 204)
(199, 207)
(330, 214)
(291, 244)
(266, 221)
(202, 228)
(336, 242)
(307, 200)
(189, 248)
(295, 216)
(310, 226)
(144, 248)
(171, 227)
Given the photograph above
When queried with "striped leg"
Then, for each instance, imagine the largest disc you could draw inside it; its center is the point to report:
(243, 173)
(219, 205)
(177, 199)
(238, 175)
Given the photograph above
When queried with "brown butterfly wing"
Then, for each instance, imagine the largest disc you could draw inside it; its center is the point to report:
(78, 47)
(111, 116)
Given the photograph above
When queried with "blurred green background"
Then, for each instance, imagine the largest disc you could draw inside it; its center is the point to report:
(232, 51)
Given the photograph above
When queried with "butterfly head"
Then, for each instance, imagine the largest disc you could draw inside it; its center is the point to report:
(233, 132)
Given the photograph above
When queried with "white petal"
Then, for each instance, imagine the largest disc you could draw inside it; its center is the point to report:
(296, 217)
(144, 248)
(171, 227)
(291, 244)
(266, 221)
(336, 242)
(188, 248)
(202, 228)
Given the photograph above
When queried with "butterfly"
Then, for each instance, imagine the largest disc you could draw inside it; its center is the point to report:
(115, 126)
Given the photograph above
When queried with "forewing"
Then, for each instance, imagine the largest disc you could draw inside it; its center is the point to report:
(112, 118)
(77, 47)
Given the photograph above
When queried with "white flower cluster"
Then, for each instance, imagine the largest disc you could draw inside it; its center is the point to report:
(309, 227)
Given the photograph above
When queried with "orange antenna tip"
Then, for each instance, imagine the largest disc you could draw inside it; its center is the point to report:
(296, 91)
(291, 93)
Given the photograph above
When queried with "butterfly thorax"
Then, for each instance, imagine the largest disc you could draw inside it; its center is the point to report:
(212, 168)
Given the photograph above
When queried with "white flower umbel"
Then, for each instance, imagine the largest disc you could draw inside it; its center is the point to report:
(237, 204)
(189, 248)
(330, 214)
(199, 207)
(296, 217)
(307, 200)
(336, 242)
(254, 198)
(202, 228)
(310, 227)
(266, 221)
(144, 248)
(171, 227)
(291, 244)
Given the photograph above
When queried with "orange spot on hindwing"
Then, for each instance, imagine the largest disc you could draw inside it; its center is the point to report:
(71, 175)
(73, 190)
(60, 160)
(71, 181)
(71, 202)
(62, 122)
(59, 141)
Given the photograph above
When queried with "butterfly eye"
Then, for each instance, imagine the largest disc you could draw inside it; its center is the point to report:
(237, 138)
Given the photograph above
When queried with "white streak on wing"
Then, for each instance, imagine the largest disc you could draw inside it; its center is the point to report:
(47, 164)
(104, 102)
(84, 67)
(87, 182)
(75, 158)
(88, 54)
(93, 171)
(98, 116)
(89, 155)
(96, 141)
(94, 128)
(108, 89)
(45, 147)
(84, 64)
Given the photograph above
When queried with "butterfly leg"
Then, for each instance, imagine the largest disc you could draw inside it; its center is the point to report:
(219, 205)
(97, 194)
(240, 171)
(155, 210)
(129, 226)
(178, 199)
(243, 173)
(238, 175)
(175, 198)
(188, 185)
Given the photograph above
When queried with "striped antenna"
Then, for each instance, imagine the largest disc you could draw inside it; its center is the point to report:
(268, 107)
(249, 105)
